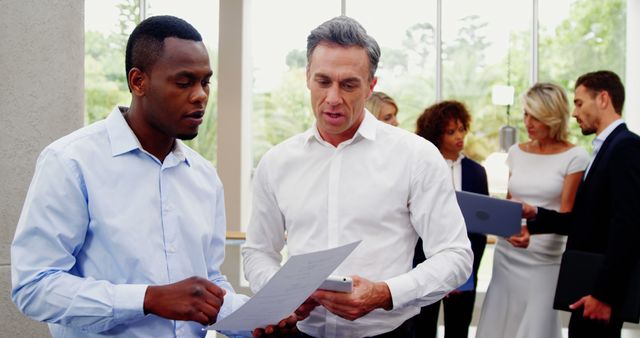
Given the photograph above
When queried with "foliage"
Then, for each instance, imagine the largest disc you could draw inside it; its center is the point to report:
(105, 78)
(296, 59)
(128, 19)
(206, 144)
(106, 81)
(591, 37)
(279, 114)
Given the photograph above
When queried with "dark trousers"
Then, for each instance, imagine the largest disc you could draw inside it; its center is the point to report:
(580, 327)
(403, 331)
(458, 309)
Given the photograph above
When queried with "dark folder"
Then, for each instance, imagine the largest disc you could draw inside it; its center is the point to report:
(578, 273)
(487, 215)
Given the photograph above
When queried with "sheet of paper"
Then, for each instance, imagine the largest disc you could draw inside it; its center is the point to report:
(286, 290)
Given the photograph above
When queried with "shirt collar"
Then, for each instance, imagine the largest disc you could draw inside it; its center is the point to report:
(367, 130)
(457, 161)
(599, 140)
(121, 137)
(123, 140)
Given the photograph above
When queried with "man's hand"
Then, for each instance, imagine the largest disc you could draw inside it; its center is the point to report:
(365, 297)
(528, 210)
(593, 308)
(287, 327)
(521, 240)
(195, 299)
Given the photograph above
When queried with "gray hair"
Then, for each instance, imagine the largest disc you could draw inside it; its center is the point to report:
(345, 31)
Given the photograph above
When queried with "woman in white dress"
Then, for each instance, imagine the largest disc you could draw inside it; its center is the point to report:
(544, 171)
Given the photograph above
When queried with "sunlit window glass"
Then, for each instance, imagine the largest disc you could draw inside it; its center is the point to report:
(484, 47)
(107, 27)
(405, 31)
(203, 15)
(281, 106)
(581, 36)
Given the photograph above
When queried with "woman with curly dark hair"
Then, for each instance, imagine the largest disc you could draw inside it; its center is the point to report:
(445, 124)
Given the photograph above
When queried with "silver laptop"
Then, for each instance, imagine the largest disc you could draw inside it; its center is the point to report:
(488, 215)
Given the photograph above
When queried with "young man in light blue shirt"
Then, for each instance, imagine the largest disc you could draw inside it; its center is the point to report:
(123, 228)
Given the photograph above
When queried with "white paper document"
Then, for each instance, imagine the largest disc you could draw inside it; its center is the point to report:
(286, 290)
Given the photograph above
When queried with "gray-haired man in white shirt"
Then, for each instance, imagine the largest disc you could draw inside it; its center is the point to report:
(351, 177)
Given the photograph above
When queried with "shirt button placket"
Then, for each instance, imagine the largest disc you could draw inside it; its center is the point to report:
(168, 224)
(333, 232)
(333, 202)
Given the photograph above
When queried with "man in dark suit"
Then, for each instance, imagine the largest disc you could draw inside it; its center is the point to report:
(604, 219)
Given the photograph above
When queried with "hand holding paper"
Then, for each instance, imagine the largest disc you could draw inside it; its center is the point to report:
(286, 290)
(195, 299)
(287, 326)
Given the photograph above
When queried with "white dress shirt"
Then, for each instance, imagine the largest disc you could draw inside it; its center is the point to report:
(455, 169)
(102, 220)
(386, 187)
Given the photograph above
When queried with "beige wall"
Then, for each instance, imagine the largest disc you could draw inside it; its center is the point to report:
(41, 99)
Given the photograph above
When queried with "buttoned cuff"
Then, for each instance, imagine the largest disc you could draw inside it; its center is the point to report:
(232, 301)
(129, 301)
(403, 290)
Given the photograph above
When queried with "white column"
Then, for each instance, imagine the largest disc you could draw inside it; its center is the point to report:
(234, 110)
(533, 70)
(42, 95)
(632, 79)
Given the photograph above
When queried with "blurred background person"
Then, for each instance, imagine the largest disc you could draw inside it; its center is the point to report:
(383, 107)
(446, 124)
(544, 171)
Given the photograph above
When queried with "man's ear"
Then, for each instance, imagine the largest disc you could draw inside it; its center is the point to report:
(603, 99)
(372, 85)
(137, 81)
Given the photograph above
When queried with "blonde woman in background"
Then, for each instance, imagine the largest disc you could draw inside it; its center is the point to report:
(545, 171)
(383, 107)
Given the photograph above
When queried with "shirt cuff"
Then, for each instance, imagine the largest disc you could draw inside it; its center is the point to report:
(129, 301)
(403, 289)
(232, 301)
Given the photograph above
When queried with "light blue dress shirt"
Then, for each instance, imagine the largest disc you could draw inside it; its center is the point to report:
(102, 220)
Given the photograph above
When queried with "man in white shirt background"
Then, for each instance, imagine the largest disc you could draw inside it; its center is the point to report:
(351, 177)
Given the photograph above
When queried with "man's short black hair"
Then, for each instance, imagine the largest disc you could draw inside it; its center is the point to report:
(147, 40)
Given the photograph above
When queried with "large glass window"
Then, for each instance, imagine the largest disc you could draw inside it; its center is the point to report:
(203, 15)
(281, 105)
(580, 36)
(405, 32)
(483, 47)
(107, 28)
